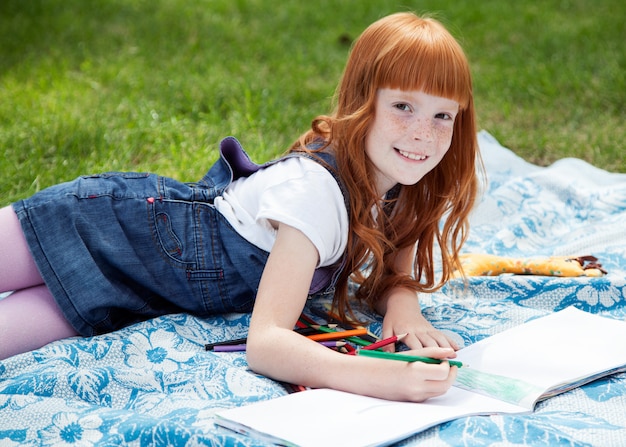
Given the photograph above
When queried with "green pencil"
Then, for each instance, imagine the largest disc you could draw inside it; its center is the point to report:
(404, 357)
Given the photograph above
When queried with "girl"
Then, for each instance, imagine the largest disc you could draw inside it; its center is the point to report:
(366, 187)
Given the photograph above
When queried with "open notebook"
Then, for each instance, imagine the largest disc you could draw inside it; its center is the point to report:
(508, 373)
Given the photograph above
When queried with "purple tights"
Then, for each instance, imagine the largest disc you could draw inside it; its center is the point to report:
(29, 317)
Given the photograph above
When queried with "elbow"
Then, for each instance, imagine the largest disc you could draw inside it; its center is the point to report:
(256, 358)
(254, 362)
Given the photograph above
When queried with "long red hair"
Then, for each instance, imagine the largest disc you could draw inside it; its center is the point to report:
(407, 52)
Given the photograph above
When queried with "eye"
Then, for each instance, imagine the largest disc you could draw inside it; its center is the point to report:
(444, 116)
(403, 106)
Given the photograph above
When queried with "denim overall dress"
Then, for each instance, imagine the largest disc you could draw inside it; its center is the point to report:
(118, 248)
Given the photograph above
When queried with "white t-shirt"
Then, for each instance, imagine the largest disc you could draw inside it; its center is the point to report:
(296, 191)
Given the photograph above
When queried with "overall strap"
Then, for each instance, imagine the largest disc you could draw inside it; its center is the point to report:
(325, 278)
(232, 164)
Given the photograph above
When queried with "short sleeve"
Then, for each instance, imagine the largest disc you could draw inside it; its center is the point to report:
(298, 192)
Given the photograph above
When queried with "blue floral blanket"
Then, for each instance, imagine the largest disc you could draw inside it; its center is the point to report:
(155, 384)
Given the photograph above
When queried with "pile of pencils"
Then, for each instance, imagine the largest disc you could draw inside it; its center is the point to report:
(333, 334)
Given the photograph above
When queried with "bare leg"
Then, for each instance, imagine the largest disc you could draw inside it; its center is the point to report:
(29, 318)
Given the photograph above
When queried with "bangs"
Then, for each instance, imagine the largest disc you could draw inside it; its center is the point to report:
(427, 59)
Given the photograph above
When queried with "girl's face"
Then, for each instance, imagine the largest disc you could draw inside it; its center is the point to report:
(410, 134)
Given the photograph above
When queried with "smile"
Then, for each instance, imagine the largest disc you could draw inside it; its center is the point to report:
(411, 156)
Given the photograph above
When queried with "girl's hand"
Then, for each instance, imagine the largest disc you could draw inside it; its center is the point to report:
(445, 375)
(403, 315)
(419, 381)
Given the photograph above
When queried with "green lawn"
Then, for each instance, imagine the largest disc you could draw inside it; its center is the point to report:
(89, 86)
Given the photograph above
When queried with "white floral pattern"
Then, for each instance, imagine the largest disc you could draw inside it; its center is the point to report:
(154, 384)
(70, 430)
(156, 351)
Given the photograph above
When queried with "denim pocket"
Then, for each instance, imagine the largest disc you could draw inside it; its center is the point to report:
(170, 242)
(175, 233)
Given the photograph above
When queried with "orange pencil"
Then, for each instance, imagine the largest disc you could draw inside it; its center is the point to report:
(335, 335)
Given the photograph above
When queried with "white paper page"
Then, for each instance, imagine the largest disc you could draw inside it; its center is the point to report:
(559, 348)
(328, 417)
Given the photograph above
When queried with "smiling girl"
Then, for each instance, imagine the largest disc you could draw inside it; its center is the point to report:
(363, 196)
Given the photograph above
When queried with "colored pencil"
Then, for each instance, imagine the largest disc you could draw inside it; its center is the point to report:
(363, 340)
(336, 335)
(307, 320)
(291, 388)
(385, 342)
(406, 357)
(307, 330)
(324, 327)
(236, 341)
(357, 340)
(333, 344)
(349, 349)
(230, 348)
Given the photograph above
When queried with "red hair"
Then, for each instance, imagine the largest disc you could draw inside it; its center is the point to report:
(407, 52)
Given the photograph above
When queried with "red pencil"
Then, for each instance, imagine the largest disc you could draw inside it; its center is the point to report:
(349, 349)
(300, 324)
(385, 342)
(307, 320)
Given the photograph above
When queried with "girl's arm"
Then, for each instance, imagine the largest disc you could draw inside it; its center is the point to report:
(403, 315)
(275, 350)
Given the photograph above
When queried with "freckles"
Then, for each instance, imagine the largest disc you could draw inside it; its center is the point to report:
(443, 134)
(398, 123)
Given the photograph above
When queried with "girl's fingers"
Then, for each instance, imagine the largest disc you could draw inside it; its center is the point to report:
(435, 352)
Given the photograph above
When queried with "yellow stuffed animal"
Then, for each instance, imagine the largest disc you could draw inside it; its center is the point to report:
(491, 265)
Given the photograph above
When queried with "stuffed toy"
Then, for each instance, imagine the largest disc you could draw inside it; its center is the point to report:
(492, 265)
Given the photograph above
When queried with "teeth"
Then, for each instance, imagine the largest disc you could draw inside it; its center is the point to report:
(412, 156)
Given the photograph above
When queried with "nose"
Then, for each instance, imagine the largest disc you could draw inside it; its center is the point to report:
(423, 130)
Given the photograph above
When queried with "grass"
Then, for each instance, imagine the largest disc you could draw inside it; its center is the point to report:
(154, 85)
